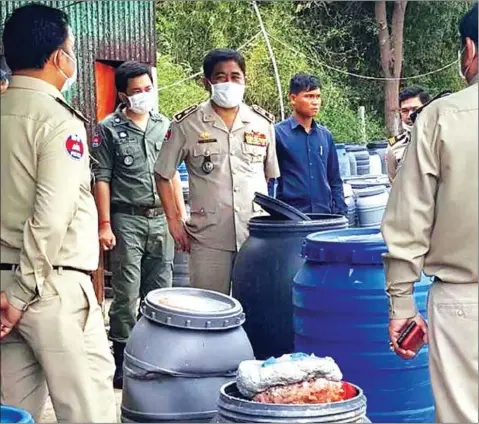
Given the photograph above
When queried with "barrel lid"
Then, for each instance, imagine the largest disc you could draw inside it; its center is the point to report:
(278, 209)
(367, 181)
(354, 147)
(369, 191)
(353, 245)
(193, 309)
(340, 145)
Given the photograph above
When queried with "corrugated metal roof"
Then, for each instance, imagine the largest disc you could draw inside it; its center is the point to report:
(104, 30)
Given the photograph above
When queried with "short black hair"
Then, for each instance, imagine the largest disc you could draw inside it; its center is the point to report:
(31, 34)
(129, 70)
(303, 82)
(222, 55)
(468, 25)
(412, 92)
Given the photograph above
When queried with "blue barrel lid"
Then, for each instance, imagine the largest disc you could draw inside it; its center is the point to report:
(10, 414)
(360, 246)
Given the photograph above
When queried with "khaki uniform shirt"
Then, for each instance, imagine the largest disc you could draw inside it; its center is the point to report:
(225, 169)
(431, 220)
(48, 215)
(395, 152)
(125, 155)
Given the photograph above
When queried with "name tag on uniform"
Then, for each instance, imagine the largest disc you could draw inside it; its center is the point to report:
(255, 138)
(205, 137)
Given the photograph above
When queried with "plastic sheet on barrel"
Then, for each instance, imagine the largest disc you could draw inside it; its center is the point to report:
(343, 159)
(341, 310)
(188, 343)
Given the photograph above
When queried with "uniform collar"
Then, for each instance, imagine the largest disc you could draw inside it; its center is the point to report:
(209, 115)
(35, 84)
(121, 118)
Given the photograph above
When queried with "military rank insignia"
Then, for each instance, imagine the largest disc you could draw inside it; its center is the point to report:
(255, 138)
(205, 137)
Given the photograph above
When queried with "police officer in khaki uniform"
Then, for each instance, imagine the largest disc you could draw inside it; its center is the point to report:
(52, 329)
(229, 150)
(132, 222)
(431, 224)
(410, 100)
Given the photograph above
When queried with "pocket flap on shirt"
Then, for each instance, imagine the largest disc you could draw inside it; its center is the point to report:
(206, 149)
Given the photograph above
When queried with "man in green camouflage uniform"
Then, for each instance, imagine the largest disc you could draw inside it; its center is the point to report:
(132, 222)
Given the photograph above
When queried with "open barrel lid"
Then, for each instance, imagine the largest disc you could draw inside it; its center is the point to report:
(194, 309)
(278, 209)
(360, 246)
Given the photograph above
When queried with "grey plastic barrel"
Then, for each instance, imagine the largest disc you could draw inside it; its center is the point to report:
(188, 343)
(370, 205)
(379, 147)
(181, 274)
(234, 408)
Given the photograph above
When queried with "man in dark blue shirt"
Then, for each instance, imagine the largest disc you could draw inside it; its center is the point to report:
(308, 162)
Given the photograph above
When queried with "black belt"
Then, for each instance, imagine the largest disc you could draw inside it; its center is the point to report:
(145, 211)
(13, 267)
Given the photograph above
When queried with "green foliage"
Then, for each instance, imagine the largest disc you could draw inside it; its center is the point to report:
(305, 37)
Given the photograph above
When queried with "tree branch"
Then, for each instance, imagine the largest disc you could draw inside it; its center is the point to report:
(384, 40)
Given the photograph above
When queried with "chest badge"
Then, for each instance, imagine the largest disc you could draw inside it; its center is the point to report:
(205, 137)
(207, 165)
(128, 160)
(255, 138)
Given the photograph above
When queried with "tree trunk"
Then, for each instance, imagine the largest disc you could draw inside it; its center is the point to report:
(391, 56)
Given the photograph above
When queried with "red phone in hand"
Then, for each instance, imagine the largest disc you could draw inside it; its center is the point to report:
(411, 338)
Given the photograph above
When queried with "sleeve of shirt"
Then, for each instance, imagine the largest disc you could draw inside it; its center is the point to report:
(172, 153)
(102, 154)
(391, 161)
(59, 177)
(271, 162)
(409, 215)
(334, 180)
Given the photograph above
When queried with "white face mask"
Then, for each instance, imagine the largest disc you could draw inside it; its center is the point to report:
(69, 81)
(459, 57)
(406, 127)
(227, 94)
(141, 103)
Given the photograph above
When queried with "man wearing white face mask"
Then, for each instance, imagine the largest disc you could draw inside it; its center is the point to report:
(131, 218)
(431, 225)
(52, 334)
(230, 151)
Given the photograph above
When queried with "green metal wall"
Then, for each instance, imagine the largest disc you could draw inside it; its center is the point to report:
(105, 30)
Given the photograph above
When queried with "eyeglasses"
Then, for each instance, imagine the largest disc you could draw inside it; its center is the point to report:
(408, 110)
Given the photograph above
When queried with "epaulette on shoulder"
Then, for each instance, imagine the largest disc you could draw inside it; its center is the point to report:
(392, 141)
(178, 117)
(77, 113)
(265, 114)
(442, 94)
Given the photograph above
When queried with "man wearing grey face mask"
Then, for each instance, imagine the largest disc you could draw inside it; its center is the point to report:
(132, 222)
(410, 100)
(230, 151)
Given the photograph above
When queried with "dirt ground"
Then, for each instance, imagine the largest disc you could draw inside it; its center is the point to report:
(48, 415)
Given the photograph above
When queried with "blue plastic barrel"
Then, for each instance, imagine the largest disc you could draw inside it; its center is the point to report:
(183, 171)
(10, 414)
(341, 311)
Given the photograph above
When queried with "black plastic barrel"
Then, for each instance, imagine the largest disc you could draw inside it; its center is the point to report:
(234, 408)
(263, 278)
(341, 310)
(187, 345)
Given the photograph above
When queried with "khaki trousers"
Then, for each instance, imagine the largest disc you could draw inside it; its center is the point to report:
(453, 351)
(60, 347)
(211, 269)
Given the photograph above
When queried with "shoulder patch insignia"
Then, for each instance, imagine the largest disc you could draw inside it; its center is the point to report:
(75, 112)
(392, 141)
(265, 114)
(180, 116)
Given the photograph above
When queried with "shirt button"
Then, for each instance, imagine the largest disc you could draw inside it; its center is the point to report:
(236, 209)
(233, 171)
(207, 153)
(232, 154)
(202, 211)
(236, 189)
